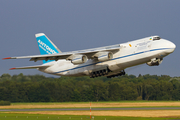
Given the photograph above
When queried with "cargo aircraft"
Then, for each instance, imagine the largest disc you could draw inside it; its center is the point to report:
(110, 61)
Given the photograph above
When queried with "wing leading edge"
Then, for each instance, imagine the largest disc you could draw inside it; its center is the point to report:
(70, 55)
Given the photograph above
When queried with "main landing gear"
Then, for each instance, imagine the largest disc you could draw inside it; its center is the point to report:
(99, 73)
(116, 75)
(105, 72)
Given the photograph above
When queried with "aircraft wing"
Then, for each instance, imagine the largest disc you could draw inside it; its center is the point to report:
(31, 67)
(70, 55)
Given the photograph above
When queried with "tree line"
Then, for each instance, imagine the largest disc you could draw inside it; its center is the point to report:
(38, 88)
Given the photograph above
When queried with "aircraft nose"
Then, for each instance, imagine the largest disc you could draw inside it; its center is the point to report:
(171, 47)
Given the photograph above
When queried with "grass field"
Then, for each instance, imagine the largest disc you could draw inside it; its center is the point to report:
(99, 115)
(122, 113)
(95, 104)
(6, 116)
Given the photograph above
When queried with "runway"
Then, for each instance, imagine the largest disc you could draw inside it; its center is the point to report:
(96, 109)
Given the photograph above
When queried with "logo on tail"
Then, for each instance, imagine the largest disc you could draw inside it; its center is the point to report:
(46, 46)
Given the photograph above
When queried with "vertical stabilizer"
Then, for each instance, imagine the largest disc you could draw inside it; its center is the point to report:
(46, 46)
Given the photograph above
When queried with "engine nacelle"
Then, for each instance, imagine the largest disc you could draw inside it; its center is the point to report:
(105, 56)
(155, 62)
(79, 59)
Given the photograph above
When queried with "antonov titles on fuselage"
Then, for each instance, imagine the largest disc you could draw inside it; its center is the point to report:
(107, 61)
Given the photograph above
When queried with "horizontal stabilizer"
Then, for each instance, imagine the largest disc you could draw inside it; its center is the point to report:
(30, 67)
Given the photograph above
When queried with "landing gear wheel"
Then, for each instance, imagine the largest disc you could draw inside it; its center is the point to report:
(101, 73)
(123, 73)
(106, 72)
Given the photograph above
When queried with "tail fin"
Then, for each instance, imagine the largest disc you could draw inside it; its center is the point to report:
(46, 46)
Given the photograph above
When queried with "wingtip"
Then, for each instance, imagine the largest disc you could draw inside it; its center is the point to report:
(12, 68)
(6, 58)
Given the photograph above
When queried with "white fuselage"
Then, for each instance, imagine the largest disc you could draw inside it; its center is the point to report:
(129, 54)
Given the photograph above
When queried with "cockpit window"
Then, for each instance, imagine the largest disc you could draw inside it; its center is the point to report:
(156, 38)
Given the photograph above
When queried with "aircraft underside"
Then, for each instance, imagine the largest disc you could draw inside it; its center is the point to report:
(110, 71)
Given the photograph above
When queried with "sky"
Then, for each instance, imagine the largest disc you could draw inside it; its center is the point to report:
(83, 24)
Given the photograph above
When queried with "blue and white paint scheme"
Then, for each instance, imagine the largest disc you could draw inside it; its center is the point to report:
(107, 61)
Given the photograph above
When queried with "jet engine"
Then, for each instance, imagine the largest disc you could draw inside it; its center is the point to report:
(155, 62)
(104, 56)
(79, 59)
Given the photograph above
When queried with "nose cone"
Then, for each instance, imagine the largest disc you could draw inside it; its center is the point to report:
(171, 47)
